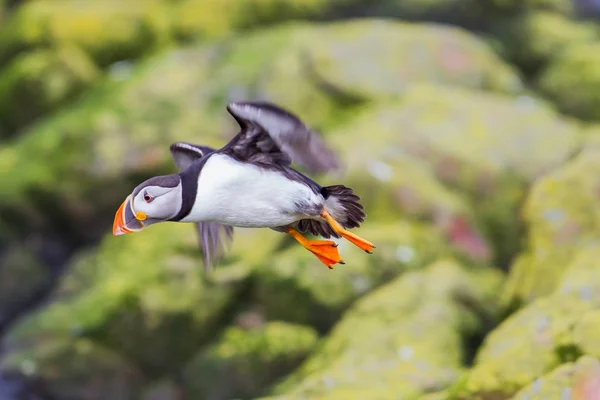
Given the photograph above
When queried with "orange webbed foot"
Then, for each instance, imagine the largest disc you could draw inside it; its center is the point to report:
(325, 250)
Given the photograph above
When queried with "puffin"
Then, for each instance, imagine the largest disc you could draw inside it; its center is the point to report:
(250, 183)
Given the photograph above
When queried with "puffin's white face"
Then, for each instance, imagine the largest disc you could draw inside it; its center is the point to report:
(156, 200)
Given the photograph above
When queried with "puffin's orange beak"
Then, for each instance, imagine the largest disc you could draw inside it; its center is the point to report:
(125, 220)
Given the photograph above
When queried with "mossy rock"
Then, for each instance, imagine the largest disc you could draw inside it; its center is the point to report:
(579, 380)
(345, 58)
(535, 38)
(487, 147)
(524, 347)
(561, 215)
(108, 31)
(214, 18)
(243, 362)
(40, 81)
(22, 279)
(395, 184)
(297, 287)
(144, 292)
(514, 7)
(576, 94)
(404, 339)
(76, 369)
(548, 332)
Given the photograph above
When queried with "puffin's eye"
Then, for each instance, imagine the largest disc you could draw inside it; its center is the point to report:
(147, 197)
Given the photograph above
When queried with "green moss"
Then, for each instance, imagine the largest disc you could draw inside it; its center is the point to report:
(525, 346)
(489, 147)
(585, 333)
(243, 362)
(580, 379)
(40, 81)
(576, 94)
(107, 30)
(22, 277)
(143, 292)
(75, 368)
(562, 218)
(297, 287)
(346, 59)
(404, 339)
(214, 18)
(535, 38)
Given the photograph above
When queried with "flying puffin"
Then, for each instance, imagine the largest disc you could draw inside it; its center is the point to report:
(250, 183)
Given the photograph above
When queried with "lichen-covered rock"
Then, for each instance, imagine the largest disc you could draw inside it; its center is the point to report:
(77, 369)
(566, 7)
(561, 215)
(242, 363)
(297, 287)
(576, 94)
(585, 333)
(346, 58)
(535, 38)
(22, 277)
(120, 132)
(578, 380)
(487, 146)
(404, 339)
(41, 81)
(524, 347)
(143, 292)
(108, 30)
(214, 18)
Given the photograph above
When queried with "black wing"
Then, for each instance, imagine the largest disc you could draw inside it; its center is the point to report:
(272, 135)
(212, 236)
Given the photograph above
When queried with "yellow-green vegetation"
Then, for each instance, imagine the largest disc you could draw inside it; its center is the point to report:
(525, 346)
(401, 340)
(577, 94)
(74, 368)
(214, 18)
(228, 368)
(538, 37)
(580, 379)
(561, 216)
(464, 138)
(22, 277)
(40, 81)
(548, 332)
(108, 30)
(297, 288)
(150, 286)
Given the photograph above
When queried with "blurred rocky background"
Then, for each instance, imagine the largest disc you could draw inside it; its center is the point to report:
(470, 128)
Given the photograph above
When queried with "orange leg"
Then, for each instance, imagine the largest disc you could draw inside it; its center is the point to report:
(325, 250)
(351, 237)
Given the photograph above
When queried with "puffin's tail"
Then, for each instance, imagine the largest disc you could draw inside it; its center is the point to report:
(343, 205)
(341, 212)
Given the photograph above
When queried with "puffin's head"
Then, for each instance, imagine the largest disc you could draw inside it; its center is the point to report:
(156, 200)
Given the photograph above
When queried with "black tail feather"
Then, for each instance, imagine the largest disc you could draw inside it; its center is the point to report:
(343, 205)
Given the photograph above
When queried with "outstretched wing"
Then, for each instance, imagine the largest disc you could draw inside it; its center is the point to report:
(270, 134)
(212, 236)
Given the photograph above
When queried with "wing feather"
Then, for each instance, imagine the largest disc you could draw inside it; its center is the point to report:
(271, 134)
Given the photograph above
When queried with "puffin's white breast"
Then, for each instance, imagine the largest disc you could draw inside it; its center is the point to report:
(241, 194)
